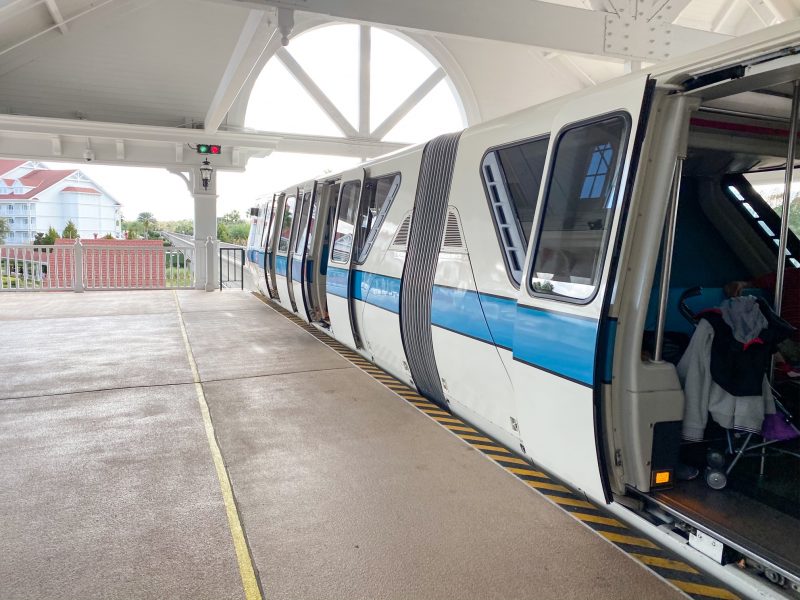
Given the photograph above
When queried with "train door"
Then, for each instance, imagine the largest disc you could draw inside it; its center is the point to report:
(339, 293)
(562, 304)
(311, 259)
(270, 267)
(299, 263)
(284, 233)
(327, 194)
(269, 209)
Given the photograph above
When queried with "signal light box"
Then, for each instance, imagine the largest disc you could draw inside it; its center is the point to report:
(209, 149)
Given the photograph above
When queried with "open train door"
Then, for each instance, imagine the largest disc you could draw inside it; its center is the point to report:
(266, 244)
(338, 288)
(563, 301)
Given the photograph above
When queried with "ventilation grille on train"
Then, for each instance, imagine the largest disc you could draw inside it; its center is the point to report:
(400, 241)
(453, 239)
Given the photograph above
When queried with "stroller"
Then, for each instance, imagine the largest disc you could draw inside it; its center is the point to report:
(775, 428)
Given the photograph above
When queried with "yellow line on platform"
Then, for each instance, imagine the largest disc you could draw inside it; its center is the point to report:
(571, 502)
(703, 590)
(245, 561)
(630, 540)
(664, 563)
(603, 521)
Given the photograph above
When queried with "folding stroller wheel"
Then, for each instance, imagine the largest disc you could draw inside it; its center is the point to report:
(716, 479)
(715, 459)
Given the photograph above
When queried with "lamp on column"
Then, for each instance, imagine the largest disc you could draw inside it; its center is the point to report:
(205, 173)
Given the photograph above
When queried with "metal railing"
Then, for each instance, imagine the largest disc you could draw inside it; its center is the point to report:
(231, 267)
(82, 267)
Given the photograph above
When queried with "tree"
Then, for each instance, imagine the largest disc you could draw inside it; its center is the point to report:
(135, 229)
(239, 233)
(223, 234)
(147, 220)
(231, 218)
(4, 229)
(46, 239)
(108, 236)
(70, 231)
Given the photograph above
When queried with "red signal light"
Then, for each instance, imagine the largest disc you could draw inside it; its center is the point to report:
(209, 149)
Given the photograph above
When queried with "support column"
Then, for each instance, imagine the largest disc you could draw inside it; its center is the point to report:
(205, 230)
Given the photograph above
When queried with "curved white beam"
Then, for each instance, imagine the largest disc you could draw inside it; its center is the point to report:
(257, 33)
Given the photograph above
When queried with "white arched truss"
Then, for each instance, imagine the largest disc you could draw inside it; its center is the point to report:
(445, 69)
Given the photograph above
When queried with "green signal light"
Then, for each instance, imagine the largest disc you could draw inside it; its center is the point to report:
(209, 149)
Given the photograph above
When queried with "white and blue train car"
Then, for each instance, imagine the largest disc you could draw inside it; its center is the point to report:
(517, 273)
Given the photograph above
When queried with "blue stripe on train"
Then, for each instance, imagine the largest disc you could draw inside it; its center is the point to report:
(336, 283)
(297, 269)
(556, 342)
(378, 290)
(280, 265)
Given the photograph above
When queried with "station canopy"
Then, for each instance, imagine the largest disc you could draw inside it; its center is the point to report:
(141, 82)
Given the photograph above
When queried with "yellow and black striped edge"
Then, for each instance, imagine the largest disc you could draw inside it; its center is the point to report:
(664, 563)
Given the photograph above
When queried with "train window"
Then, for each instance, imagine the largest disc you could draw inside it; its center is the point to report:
(512, 177)
(286, 225)
(345, 224)
(377, 198)
(312, 221)
(269, 207)
(578, 209)
(303, 224)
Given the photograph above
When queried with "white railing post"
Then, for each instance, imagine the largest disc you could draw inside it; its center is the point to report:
(77, 260)
(211, 263)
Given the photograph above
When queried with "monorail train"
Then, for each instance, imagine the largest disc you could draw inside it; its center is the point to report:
(526, 274)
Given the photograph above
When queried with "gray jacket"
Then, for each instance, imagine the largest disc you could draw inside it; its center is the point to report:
(703, 396)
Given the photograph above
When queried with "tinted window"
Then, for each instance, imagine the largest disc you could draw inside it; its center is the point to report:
(345, 224)
(303, 224)
(378, 196)
(270, 206)
(512, 177)
(286, 225)
(578, 209)
(312, 223)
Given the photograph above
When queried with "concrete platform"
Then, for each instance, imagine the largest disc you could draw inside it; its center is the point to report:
(108, 489)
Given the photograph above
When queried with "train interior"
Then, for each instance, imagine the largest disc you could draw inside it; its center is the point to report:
(727, 230)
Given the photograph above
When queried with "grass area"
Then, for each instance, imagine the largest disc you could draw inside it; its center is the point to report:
(179, 276)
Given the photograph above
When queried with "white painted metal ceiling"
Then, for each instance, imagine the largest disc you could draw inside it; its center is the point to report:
(155, 68)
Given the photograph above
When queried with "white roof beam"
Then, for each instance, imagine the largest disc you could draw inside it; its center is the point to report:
(762, 12)
(601, 5)
(325, 103)
(409, 103)
(258, 34)
(668, 9)
(567, 65)
(63, 23)
(365, 45)
(784, 10)
(44, 139)
(730, 15)
(55, 14)
(530, 22)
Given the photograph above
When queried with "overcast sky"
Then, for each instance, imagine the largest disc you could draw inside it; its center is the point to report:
(397, 69)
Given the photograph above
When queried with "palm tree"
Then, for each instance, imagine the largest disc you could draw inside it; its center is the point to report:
(148, 220)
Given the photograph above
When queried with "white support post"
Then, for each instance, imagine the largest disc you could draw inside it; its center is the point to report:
(209, 249)
(77, 257)
(205, 228)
